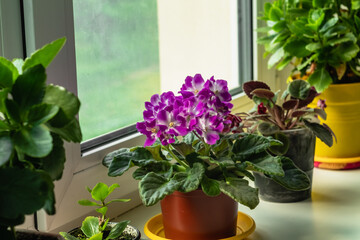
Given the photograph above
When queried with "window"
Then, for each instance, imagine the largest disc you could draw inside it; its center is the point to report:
(194, 36)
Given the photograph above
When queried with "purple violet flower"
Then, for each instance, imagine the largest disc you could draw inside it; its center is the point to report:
(202, 107)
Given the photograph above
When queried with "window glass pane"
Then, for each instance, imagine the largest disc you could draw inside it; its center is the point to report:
(128, 50)
(117, 59)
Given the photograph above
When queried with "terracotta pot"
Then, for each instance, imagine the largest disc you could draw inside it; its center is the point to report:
(301, 151)
(343, 117)
(196, 216)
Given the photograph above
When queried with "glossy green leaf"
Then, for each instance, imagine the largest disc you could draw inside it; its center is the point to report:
(90, 226)
(45, 55)
(102, 210)
(65, 100)
(100, 192)
(154, 187)
(321, 132)
(160, 167)
(156, 152)
(275, 57)
(41, 113)
(252, 144)
(53, 163)
(98, 236)
(299, 89)
(29, 88)
(293, 179)
(355, 4)
(191, 179)
(210, 186)
(320, 79)
(183, 148)
(118, 200)
(275, 13)
(18, 63)
(240, 191)
(297, 48)
(335, 31)
(6, 149)
(24, 193)
(13, 110)
(121, 160)
(265, 163)
(71, 132)
(319, 3)
(348, 37)
(11, 67)
(50, 201)
(117, 230)
(35, 142)
(6, 76)
(67, 236)
(85, 202)
(347, 51)
(312, 47)
(280, 150)
(3, 96)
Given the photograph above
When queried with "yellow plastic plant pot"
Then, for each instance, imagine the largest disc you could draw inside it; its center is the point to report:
(154, 228)
(343, 117)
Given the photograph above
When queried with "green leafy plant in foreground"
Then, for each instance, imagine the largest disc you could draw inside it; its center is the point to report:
(98, 228)
(35, 120)
(318, 37)
(193, 141)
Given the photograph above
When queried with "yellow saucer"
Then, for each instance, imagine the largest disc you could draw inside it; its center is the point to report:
(154, 228)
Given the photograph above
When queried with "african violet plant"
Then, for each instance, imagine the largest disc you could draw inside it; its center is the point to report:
(98, 228)
(270, 118)
(318, 37)
(209, 150)
(35, 119)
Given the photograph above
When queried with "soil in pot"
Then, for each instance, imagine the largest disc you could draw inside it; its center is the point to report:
(196, 216)
(301, 151)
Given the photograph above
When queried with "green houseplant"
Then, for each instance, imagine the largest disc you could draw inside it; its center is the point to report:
(35, 120)
(319, 38)
(192, 144)
(292, 122)
(98, 228)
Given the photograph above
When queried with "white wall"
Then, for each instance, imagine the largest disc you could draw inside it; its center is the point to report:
(197, 37)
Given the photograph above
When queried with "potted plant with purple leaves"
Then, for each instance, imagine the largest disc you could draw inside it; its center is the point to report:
(35, 120)
(294, 124)
(198, 162)
(99, 228)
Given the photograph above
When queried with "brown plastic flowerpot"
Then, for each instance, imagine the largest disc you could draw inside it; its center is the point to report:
(197, 216)
(301, 151)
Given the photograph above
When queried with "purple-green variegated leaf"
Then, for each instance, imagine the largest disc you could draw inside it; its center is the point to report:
(263, 93)
(248, 87)
(290, 104)
(298, 113)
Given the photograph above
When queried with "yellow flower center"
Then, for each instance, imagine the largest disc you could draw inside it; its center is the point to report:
(171, 124)
(154, 130)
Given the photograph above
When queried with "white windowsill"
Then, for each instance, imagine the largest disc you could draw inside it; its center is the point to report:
(333, 213)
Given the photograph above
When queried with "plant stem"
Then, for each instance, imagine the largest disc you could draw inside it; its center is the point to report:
(175, 157)
(13, 231)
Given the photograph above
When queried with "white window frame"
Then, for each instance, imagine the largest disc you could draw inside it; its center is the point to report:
(42, 27)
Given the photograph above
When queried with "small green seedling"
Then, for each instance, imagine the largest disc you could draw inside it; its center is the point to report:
(97, 228)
